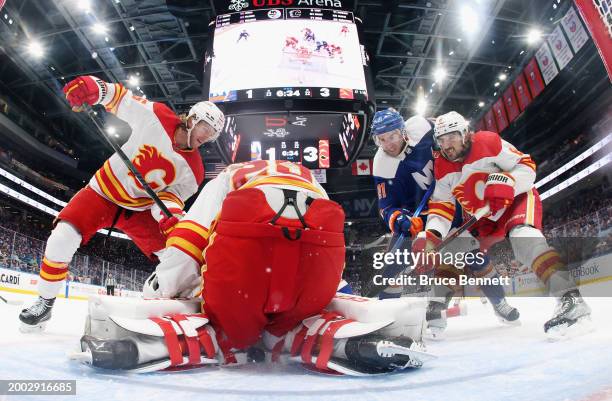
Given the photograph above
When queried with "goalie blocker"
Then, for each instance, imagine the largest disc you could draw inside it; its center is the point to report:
(353, 335)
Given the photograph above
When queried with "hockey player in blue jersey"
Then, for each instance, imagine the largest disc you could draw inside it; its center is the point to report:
(403, 173)
(244, 34)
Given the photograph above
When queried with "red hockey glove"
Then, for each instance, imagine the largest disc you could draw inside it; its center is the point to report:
(499, 191)
(167, 224)
(85, 89)
(422, 248)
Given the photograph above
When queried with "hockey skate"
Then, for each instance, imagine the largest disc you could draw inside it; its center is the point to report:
(377, 354)
(506, 313)
(34, 318)
(572, 317)
(436, 319)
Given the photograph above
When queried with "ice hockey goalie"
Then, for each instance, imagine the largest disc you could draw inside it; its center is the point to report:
(263, 247)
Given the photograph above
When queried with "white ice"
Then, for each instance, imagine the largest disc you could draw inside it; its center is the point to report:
(480, 359)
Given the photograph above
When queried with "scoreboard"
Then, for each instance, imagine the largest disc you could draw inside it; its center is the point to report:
(293, 81)
(313, 154)
(316, 140)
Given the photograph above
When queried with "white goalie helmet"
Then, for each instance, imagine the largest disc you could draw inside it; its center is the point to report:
(450, 122)
(208, 112)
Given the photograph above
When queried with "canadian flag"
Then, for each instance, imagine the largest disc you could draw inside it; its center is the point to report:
(362, 167)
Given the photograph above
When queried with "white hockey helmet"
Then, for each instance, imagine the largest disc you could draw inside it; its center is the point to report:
(208, 112)
(450, 122)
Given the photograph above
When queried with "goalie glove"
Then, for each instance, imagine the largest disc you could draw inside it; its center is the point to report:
(499, 191)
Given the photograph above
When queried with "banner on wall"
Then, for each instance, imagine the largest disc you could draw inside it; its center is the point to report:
(574, 30)
(560, 48)
(522, 93)
(547, 64)
(500, 115)
(489, 120)
(510, 103)
(534, 78)
(480, 125)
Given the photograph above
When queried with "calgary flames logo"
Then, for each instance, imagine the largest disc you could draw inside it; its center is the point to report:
(470, 194)
(157, 171)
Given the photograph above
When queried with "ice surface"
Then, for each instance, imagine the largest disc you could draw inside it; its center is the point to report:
(480, 359)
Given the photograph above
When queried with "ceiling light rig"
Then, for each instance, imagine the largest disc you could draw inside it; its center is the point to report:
(439, 75)
(36, 49)
(533, 36)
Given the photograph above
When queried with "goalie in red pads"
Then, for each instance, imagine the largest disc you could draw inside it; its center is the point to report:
(270, 247)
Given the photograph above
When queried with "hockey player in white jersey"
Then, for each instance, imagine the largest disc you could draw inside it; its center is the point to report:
(403, 173)
(479, 169)
(161, 147)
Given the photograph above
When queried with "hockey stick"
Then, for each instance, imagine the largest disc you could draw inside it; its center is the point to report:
(480, 213)
(127, 162)
(10, 302)
(399, 242)
(450, 238)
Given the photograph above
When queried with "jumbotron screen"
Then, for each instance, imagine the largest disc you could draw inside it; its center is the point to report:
(286, 53)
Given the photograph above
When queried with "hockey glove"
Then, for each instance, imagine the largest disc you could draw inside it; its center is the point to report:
(167, 224)
(422, 247)
(402, 223)
(85, 89)
(499, 191)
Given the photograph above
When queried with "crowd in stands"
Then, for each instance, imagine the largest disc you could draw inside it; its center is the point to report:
(36, 129)
(579, 227)
(60, 187)
(23, 234)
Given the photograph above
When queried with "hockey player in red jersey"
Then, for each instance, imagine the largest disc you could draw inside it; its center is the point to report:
(478, 170)
(266, 246)
(161, 147)
(291, 41)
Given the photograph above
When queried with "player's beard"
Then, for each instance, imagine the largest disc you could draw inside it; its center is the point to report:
(459, 156)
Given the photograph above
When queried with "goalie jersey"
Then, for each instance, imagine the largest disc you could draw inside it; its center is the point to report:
(173, 174)
(179, 266)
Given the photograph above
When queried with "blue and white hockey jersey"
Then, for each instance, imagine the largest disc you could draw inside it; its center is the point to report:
(401, 181)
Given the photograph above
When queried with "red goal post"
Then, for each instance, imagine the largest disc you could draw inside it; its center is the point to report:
(597, 14)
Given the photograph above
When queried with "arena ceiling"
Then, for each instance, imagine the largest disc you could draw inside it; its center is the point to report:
(158, 45)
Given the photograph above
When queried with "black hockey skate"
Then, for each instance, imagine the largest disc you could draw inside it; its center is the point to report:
(109, 354)
(376, 354)
(506, 313)
(436, 318)
(571, 314)
(36, 316)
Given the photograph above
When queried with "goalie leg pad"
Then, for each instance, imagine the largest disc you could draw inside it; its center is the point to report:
(373, 340)
(164, 333)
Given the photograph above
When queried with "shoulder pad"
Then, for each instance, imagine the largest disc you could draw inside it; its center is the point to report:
(385, 166)
(417, 127)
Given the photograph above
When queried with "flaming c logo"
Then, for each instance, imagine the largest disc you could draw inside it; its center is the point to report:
(157, 171)
(470, 194)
